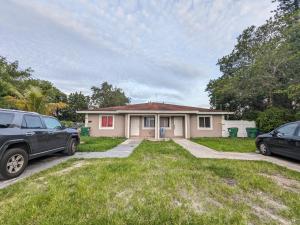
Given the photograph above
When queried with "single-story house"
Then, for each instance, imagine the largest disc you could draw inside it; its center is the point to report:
(154, 120)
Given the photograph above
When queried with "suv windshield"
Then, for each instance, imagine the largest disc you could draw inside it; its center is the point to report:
(6, 119)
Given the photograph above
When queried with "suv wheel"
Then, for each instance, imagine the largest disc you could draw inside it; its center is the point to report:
(13, 163)
(263, 149)
(71, 147)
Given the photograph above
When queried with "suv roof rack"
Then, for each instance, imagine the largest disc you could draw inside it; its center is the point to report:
(19, 111)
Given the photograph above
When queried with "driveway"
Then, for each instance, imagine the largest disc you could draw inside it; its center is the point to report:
(37, 165)
(201, 151)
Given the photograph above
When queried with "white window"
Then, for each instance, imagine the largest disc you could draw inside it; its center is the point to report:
(204, 122)
(149, 122)
(164, 122)
(106, 122)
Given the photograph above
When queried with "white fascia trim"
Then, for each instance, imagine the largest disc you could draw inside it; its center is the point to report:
(205, 128)
(106, 128)
(155, 112)
(96, 112)
(215, 113)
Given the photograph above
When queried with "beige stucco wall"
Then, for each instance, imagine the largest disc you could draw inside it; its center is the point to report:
(121, 127)
(117, 131)
(215, 132)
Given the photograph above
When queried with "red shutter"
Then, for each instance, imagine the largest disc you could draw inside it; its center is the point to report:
(110, 121)
(104, 121)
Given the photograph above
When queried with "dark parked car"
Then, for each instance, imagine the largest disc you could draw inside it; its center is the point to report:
(26, 135)
(284, 141)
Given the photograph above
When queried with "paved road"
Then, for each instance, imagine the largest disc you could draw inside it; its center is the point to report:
(201, 151)
(37, 165)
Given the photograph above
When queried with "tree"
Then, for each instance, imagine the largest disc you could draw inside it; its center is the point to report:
(41, 96)
(272, 117)
(287, 6)
(107, 96)
(262, 69)
(33, 100)
(11, 78)
(76, 101)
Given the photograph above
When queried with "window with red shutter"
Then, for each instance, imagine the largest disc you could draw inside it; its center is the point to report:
(107, 121)
(110, 121)
(104, 121)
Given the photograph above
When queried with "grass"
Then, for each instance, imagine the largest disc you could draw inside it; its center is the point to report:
(228, 144)
(160, 183)
(98, 144)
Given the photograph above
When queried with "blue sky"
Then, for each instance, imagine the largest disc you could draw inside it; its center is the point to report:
(163, 50)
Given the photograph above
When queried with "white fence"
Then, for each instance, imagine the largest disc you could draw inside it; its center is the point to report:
(240, 124)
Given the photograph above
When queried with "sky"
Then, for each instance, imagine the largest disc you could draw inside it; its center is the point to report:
(155, 50)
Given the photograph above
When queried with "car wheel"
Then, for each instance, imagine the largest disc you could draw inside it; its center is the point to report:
(71, 147)
(263, 149)
(13, 163)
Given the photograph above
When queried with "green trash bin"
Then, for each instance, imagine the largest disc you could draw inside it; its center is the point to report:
(233, 131)
(85, 131)
(252, 132)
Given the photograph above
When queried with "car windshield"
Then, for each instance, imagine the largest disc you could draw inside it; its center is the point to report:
(6, 119)
(52, 123)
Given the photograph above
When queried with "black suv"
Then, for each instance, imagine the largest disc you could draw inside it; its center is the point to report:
(27, 135)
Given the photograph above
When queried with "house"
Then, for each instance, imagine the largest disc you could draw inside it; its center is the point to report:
(154, 120)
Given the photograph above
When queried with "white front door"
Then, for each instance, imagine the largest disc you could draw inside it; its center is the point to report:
(135, 126)
(178, 126)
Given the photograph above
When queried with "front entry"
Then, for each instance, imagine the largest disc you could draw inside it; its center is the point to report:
(134, 126)
(178, 126)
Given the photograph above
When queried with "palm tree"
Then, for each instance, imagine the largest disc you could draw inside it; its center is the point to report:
(35, 101)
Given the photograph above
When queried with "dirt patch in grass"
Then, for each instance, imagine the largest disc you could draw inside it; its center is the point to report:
(196, 201)
(265, 214)
(74, 166)
(270, 202)
(230, 182)
(286, 183)
(267, 208)
(124, 196)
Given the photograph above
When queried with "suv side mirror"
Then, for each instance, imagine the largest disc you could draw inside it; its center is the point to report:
(274, 133)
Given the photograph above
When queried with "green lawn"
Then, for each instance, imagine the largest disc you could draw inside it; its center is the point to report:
(98, 144)
(228, 144)
(160, 183)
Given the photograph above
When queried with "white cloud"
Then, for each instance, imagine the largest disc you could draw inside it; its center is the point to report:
(165, 50)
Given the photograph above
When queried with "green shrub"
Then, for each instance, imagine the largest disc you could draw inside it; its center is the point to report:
(297, 116)
(273, 117)
(67, 123)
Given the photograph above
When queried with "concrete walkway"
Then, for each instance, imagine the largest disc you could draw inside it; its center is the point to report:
(123, 150)
(37, 165)
(201, 151)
